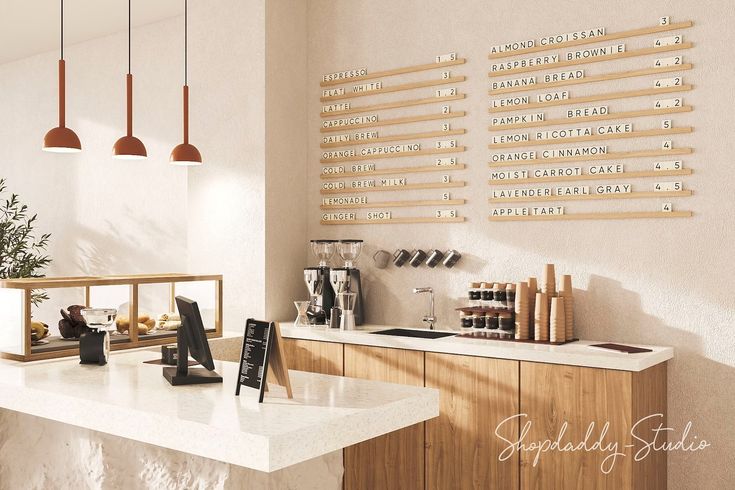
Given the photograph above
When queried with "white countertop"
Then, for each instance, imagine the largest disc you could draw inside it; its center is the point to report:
(573, 354)
(132, 400)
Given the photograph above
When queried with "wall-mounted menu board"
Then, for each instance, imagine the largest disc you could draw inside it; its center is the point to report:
(554, 147)
(371, 146)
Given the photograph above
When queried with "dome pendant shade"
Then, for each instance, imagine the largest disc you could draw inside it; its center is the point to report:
(186, 154)
(129, 147)
(62, 139)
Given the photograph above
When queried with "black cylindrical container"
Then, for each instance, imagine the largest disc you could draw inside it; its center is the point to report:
(434, 258)
(451, 258)
(417, 258)
(400, 257)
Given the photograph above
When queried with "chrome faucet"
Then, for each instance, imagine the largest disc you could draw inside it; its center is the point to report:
(430, 318)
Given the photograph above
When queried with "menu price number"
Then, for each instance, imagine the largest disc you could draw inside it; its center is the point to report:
(668, 103)
(668, 41)
(667, 207)
(446, 213)
(446, 127)
(671, 61)
(668, 186)
(443, 58)
(445, 179)
(668, 82)
(669, 165)
(445, 196)
(664, 21)
(446, 75)
(446, 109)
(446, 162)
(667, 124)
(667, 145)
(446, 92)
(440, 145)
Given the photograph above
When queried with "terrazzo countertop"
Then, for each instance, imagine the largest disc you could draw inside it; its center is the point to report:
(132, 400)
(573, 354)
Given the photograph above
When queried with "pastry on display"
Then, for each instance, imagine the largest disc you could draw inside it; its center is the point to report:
(72, 325)
(145, 324)
(168, 321)
(39, 331)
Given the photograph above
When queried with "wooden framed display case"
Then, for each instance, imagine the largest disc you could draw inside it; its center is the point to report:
(134, 296)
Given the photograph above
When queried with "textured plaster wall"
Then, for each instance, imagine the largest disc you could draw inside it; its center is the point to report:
(39, 454)
(665, 282)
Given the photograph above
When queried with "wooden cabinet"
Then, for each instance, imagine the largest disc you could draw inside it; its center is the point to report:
(462, 448)
(314, 357)
(396, 460)
(555, 395)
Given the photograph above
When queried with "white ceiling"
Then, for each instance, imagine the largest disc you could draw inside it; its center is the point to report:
(29, 27)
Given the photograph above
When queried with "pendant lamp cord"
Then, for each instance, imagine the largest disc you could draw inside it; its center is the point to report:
(186, 42)
(129, 35)
(62, 29)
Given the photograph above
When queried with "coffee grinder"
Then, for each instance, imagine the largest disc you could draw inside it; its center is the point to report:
(317, 282)
(349, 251)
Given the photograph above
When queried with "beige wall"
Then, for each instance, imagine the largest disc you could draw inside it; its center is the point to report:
(656, 281)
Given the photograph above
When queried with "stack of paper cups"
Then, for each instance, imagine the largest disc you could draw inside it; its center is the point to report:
(548, 284)
(522, 307)
(532, 290)
(566, 293)
(557, 324)
(541, 317)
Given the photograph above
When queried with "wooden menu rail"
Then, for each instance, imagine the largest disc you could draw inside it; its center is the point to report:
(619, 175)
(395, 71)
(607, 37)
(393, 105)
(397, 120)
(596, 216)
(385, 188)
(594, 59)
(592, 197)
(396, 170)
(393, 221)
(357, 158)
(602, 117)
(595, 137)
(594, 78)
(593, 98)
(395, 137)
(396, 204)
(604, 156)
(396, 88)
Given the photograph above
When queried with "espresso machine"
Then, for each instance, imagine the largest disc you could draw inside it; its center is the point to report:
(317, 282)
(347, 279)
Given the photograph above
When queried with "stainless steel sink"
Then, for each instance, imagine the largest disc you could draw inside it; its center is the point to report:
(423, 334)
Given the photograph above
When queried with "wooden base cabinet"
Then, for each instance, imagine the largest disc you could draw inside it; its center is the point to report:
(477, 395)
(314, 357)
(395, 460)
(554, 395)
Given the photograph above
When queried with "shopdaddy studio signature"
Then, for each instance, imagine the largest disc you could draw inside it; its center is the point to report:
(652, 440)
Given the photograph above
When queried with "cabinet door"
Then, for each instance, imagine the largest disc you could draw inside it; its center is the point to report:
(395, 460)
(552, 395)
(313, 356)
(477, 394)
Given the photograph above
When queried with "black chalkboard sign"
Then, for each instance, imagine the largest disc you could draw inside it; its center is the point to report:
(256, 346)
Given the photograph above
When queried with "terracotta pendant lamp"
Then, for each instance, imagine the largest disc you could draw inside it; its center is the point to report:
(186, 154)
(62, 139)
(129, 147)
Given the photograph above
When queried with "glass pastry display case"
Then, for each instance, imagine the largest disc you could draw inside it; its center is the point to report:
(146, 311)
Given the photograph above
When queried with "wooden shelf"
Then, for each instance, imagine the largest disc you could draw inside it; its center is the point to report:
(596, 216)
(595, 59)
(594, 197)
(396, 137)
(393, 105)
(394, 121)
(396, 204)
(602, 137)
(396, 88)
(603, 117)
(620, 175)
(594, 78)
(395, 170)
(394, 71)
(357, 158)
(607, 37)
(592, 98)
(388, 188)
(394, 221)
(92, 281)
(606, 156)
